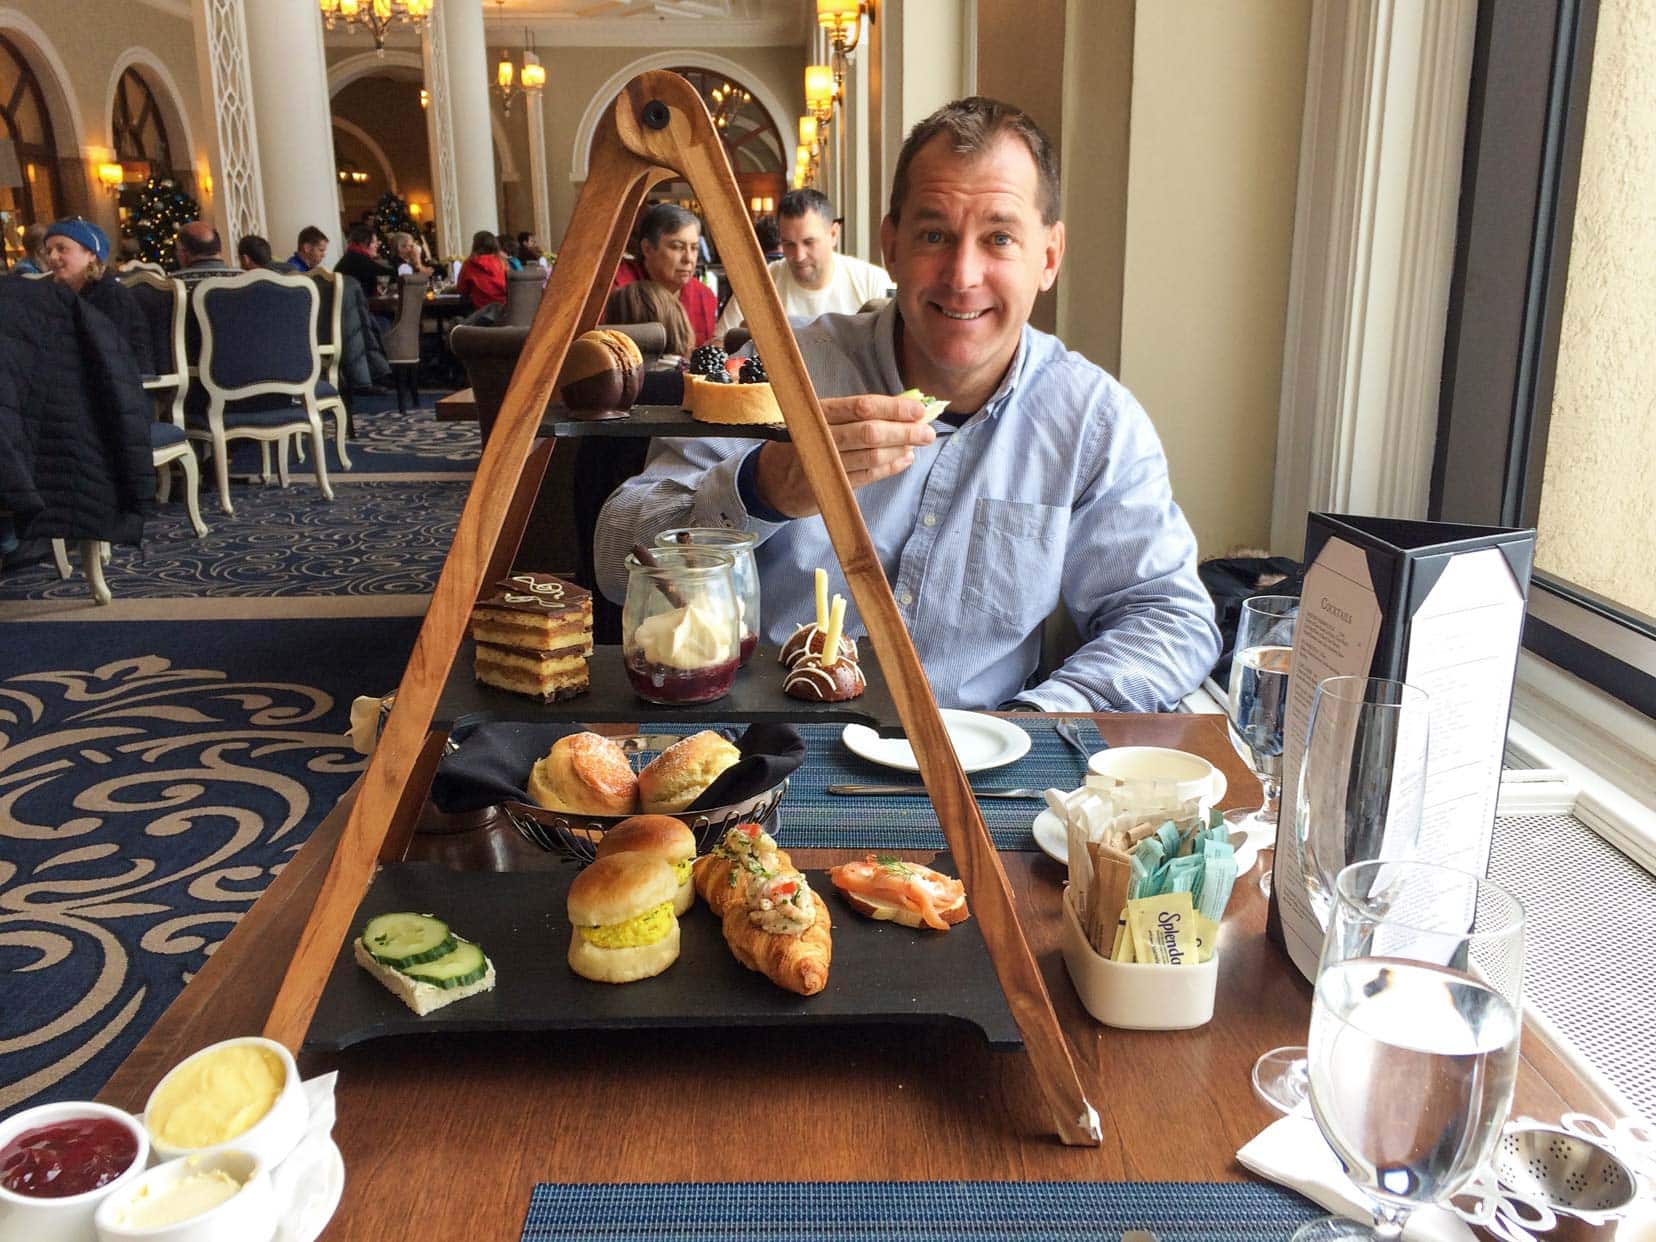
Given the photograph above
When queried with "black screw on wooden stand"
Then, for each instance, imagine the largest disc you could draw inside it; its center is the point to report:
(655, 114)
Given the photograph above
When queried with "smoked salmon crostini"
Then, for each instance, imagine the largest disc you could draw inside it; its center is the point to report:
(883, 887)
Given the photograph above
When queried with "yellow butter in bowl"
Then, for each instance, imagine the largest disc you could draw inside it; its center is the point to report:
(184, 1198)
(217, 1095)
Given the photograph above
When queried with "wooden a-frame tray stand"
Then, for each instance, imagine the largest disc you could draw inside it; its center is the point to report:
(659, 130)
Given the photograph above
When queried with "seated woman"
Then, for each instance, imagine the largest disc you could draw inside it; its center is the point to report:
(647, 301)
(76, 252)
(482, 278)
(410, 259)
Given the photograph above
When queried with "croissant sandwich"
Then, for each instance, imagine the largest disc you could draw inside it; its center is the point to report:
(780, 928)
(747, 850)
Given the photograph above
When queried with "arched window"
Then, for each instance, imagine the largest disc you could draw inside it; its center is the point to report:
(25, 123)
(750, 135)
(140, 133)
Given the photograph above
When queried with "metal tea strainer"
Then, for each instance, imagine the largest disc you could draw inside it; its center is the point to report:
(1563, 1170)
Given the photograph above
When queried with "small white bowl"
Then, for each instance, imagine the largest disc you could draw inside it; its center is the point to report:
(1193, 775)
(24, 1218)
(249, 1215)
(1137, 996)
(272, 1136)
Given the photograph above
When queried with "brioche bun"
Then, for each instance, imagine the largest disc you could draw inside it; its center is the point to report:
(680, 774)
(655, 836)
(612, 891)
(584, 774)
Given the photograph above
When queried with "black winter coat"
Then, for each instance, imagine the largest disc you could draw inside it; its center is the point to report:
(114, 299)
(362, 359)
(75, 458)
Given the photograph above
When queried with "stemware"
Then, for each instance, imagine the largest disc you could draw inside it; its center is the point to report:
(1361, 786)
(1414, 1034)
(1257, 705)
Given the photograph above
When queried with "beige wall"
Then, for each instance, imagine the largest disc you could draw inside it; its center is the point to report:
(74, 47)
(1217, 95)
(1597, 526)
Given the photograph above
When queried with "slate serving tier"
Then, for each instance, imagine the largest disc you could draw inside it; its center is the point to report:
(882, 972)
(610, 699)
(653, 420)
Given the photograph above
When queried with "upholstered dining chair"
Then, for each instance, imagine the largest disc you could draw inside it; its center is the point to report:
(330, 344)
(523, 295)
(402, 340)
(259, 369)
(165, 304)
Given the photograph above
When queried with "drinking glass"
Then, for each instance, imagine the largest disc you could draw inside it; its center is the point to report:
(1257, 704)
(1414, 1034)
(740, 545)
(680, 636)
(1361, 787)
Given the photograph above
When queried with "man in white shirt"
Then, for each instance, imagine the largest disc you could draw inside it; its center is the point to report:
(812, 277)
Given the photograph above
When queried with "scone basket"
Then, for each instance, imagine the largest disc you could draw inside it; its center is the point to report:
(578, 835)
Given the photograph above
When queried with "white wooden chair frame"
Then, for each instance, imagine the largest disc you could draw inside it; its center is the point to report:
(216, 433)
(331, 355)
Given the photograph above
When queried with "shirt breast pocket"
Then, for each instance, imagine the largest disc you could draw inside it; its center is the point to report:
(1014, 559)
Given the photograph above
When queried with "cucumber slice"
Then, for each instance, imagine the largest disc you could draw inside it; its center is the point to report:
(402, 940)
(465, 965)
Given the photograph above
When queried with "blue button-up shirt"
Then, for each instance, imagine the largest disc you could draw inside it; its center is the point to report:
(1055, 490)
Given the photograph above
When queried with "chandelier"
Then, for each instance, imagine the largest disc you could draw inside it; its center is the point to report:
(377, 16)
(725, 101)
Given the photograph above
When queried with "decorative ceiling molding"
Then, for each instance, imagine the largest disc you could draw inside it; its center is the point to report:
(649, 23)
(605, 95)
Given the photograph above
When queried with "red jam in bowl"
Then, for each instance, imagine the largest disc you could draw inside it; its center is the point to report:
(67, 1157)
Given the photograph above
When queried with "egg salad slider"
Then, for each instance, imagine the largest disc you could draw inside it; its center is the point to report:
(622, 923)
(659, 836)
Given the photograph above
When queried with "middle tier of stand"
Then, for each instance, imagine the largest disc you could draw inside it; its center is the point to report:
(652, 420)
(610, 699)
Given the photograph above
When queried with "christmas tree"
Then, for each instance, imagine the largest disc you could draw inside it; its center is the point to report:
(154, 214)
(391, 216)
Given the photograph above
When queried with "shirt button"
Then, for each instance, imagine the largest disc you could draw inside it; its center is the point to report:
(905, 599)
(930, 519)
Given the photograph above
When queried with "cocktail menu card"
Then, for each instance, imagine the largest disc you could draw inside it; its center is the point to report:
(1440, 606)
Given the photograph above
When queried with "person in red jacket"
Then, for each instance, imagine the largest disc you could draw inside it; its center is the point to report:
(669, 242)
(483, 276)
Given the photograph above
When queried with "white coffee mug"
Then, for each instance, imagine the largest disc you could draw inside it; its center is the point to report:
(1192, 775)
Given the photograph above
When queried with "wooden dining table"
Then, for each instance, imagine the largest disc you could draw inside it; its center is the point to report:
(452, 1132)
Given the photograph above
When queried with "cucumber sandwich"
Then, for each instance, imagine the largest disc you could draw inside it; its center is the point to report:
(934, 405)
(421, 962)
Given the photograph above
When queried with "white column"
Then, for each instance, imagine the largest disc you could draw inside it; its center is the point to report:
(445, 190)
(534, 107)
(467, 57)
(227, 97)
(291, 118)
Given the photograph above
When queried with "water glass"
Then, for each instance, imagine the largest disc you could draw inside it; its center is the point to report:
(1258, 699)
(1415, 1024)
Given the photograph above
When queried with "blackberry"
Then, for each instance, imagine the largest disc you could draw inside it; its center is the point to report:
(721, 376)
(753, 372)
(708, 360)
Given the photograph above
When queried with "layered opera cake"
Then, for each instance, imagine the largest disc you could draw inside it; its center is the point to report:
(533, 636)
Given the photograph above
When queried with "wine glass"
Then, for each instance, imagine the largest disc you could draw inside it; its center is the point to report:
(1414, 1034)
(1257, 705)
(1361, 787)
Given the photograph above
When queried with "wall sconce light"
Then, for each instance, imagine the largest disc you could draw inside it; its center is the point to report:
(506, 81)
(842, 20)
(533, 76)
(819, 89)
(415, 210)
(807, 131)
(111, 177)
(425, 99)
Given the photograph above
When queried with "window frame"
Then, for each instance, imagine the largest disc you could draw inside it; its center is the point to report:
(1518, 198)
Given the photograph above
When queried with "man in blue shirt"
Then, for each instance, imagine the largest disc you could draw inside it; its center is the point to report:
(311, 249)
(1043, 482)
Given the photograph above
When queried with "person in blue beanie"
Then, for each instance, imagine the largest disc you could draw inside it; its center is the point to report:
(77, 256)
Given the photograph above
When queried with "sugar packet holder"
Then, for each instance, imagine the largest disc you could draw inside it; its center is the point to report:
(1137, 996)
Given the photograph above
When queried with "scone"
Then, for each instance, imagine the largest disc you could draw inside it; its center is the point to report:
(680, 774)
(585, 774)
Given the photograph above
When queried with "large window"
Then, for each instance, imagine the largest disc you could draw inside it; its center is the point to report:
(25, 123)
(140, 133)
(1549, 410)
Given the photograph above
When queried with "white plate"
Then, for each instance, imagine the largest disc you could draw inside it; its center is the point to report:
(981, 742)
(1054, 843)
(317, 1199)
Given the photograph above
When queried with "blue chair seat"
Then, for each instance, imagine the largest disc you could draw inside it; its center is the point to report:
(284, 415)
(325, 389)
(162, 435)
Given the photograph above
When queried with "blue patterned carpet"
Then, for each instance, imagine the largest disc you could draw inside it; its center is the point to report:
(388, 441)
(153, 778)
(373, 539)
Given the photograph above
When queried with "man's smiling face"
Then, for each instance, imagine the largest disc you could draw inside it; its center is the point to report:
(969, 254)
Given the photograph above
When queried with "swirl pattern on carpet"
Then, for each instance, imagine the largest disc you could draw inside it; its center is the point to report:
(389, 440)
(372, 539)
(145, 803)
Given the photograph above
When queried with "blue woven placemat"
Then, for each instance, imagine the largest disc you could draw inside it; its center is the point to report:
(813, 818)
(885, 1211)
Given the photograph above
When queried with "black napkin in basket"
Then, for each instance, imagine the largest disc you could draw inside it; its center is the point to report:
(494, 758)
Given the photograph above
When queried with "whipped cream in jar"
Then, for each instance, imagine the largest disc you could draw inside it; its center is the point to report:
(681, 633)
(740, 545)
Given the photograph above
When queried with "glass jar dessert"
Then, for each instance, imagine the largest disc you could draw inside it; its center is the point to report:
(740, 544)
(680, 626)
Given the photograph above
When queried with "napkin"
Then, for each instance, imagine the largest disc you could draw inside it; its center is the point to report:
(1293, 1153)
(305, 1193)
